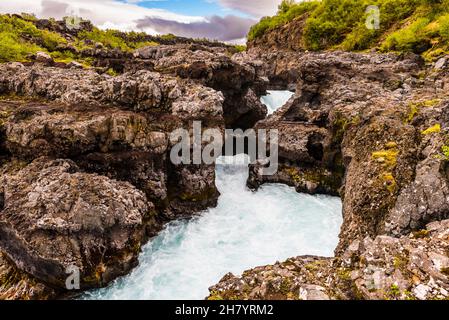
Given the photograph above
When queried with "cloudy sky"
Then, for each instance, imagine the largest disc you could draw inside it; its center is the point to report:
(225, 20)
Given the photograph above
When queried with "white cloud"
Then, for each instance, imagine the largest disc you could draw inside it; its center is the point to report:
(255, 8)
(229, 28)
(103, 13)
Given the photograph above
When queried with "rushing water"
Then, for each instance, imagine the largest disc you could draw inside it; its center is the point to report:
(245, 230)
(276, 99)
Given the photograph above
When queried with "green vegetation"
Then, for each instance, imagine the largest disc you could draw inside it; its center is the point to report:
(411, 38)
(20, 38)
(215, 296)
(421, 234)
(420, 26)
(113, 39)
(240, 48)
(388, 159)
(169, 36)
(287, 12)
(415, 108)
(445, 151)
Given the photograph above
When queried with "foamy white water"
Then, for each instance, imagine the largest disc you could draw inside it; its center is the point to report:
(246, 229)
(276, 99)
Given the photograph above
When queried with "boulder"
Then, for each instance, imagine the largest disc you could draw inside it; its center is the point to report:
(44, 58)
(57, 219)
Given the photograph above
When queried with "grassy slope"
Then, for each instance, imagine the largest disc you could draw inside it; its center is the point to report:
(420, 26)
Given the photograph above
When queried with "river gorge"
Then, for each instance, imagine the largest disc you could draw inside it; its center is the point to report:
(245, 230)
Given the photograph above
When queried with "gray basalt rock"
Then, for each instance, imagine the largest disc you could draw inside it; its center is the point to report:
(376, 124)
(139, 91)
(357, 127)
(106, 122)
(56, 217)
(214, 68)
(113, 133)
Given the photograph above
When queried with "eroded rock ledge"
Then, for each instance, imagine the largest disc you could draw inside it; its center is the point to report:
(371, 128)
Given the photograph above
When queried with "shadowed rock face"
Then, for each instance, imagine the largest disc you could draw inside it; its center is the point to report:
(115, 126)
(55, 217)
(372, 128)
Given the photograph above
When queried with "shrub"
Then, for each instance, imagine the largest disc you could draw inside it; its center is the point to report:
(169, 36)
(444, 27)
(331, 21)
(14, 49)
(287, 12)
(108, 38)
(51, 40)
(360, 38)
(411, 38)
(285, 6)
(405, 25)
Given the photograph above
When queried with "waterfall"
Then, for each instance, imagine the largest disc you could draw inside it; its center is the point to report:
(276, 99)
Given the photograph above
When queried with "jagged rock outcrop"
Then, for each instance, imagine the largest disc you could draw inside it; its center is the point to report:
(86, 176)
(214, 68)
(56, 217)
(102, 122)
(358, 122)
